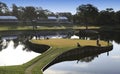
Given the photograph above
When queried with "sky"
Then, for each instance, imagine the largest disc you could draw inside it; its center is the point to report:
(65, 5)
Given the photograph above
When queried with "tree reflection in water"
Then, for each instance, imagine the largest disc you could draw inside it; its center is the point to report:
(23, 40)
(10, 54)
(83, 54)
(111, 36)
(87, 59)
(20, 40)
(4, 44)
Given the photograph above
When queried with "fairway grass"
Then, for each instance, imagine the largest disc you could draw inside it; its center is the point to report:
(58, 46)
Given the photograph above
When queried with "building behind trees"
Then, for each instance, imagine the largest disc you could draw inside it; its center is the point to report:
(86, 14)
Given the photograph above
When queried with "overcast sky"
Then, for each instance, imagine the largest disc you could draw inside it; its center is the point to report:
(65, 5)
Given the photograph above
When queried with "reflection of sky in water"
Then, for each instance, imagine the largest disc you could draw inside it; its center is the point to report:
(11, 56)
(102, 65)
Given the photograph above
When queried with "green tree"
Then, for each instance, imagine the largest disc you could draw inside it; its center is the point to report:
(106, 17)
(66, 14)
(40, 13)
(21, 13)
(117, 17)
(49, 13)
(87, 14)
(4, 9)
(30, 13)
(15, 10)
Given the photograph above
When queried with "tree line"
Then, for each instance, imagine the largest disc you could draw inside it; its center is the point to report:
(86, 14)
(90, 15)
(29, 12)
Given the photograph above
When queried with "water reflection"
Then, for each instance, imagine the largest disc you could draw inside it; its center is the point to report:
(5, 41)
(15, 55)
(103, 64)
(102, 35)
(110, 36)
(93, 64)
(82, 54)
(16, 50)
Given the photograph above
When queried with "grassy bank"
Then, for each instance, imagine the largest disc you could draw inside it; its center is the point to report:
(58, 47)
(44, 27)
(74, 27)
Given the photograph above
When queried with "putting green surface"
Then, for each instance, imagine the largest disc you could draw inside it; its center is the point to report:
(61, 43)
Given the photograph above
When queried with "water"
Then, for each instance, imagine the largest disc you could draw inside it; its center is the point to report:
(102, 64)
(50, 37)
(12, 53)
(15, 56)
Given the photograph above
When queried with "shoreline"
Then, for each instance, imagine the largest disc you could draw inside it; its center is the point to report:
(47, 56)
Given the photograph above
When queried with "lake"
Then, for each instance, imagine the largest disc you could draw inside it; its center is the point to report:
(13, 51)
(105, 63)
(102, 64)
(14, 55)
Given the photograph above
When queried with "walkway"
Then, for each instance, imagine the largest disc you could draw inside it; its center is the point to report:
(45, 58)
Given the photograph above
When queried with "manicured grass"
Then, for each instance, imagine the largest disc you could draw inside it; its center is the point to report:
(58, 47)
(7, 28)
(45, 27)
(62, 43)
(74, 27)
(83, 27)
